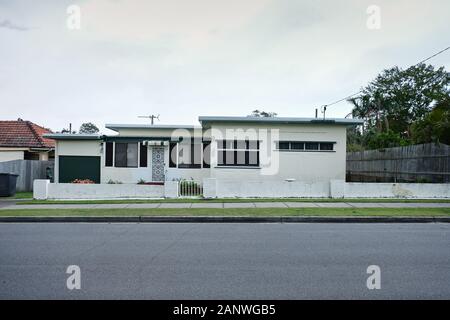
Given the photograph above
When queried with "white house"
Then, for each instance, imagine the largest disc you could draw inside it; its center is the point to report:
(252, 149)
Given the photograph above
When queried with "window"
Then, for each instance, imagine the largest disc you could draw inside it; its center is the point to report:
(243, 153)
(311, 146)
(109, 148)
(283, 145)
(305, 146)
(328, 146)
(126, 155)
(297, 146)
(143, 155)
(173, 155)
(206, 154)
(189, 155)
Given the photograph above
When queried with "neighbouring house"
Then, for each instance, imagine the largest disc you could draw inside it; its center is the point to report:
(307, 150)
(24, 140)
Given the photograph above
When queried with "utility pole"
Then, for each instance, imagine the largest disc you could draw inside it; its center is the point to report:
(152, 117)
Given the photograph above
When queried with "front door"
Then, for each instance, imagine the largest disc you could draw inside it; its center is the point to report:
(157, 164)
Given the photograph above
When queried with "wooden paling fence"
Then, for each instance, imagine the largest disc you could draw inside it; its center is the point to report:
(28, 171)
(417, 163)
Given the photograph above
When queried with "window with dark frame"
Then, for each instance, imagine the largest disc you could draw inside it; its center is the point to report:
(283, 145)
(206, 154)
(238, 153)
(297, 146)
(126, 155)
(172, 155)
(327, 146)
(143, 155)
(109, 153)
(311, 146)
(304, 146)
(189, 155)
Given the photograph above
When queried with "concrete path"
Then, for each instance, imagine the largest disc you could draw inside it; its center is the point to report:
(212, 205)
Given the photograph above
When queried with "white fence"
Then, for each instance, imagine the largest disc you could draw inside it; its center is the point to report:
(213, 188)
(190, 188)
(28, 171)
(265, 189)
(396, 190)
(43, 189)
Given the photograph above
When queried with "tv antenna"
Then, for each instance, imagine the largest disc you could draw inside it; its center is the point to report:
(323, 109)
(152, 117)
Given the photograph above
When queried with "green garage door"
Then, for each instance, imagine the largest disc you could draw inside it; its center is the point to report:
(76, 167)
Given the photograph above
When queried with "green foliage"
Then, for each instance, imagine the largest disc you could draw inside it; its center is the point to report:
(88, 127)
(388, 139)
(397, 107)
(435, 126)
(262, 114)
(114, 182)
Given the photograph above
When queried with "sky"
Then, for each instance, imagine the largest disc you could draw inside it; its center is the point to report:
(187, 58)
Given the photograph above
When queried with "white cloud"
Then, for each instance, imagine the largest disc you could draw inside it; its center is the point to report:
(185, 58)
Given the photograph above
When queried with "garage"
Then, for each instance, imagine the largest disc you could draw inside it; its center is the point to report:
(79, 167)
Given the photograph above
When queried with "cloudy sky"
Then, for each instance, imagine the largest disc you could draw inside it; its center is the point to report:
(185, 58)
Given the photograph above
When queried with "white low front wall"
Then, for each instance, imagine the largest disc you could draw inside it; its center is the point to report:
(396, 190)
(268, 189)
(102, 191)
(215, 188)
(43, 189)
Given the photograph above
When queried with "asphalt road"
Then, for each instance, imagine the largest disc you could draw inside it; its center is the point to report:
(224, 261)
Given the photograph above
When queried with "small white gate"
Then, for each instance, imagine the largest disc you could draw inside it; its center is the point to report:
(190, 188)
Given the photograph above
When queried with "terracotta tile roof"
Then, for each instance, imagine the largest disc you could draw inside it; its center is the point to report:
(25, 134)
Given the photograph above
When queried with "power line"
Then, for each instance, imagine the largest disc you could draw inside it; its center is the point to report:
(434, 55)
(324, 107)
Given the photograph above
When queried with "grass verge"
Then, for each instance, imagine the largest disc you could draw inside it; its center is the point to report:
(24, 195)
(232, 212)
(236, 200)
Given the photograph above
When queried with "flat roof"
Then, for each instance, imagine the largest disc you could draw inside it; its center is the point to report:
(280, 120)
(72, 136)
(115, 127)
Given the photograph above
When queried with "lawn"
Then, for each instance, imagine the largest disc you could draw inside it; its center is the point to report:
(23, 195)
(233, 212)
(238, 200)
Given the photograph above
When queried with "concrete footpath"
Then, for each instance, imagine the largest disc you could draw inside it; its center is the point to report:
(11, 205)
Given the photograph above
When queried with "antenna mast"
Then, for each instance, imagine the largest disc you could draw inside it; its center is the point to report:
(152, 117)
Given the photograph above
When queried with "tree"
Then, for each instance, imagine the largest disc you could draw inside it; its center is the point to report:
(435, 126)
(397, 99)
(88, 127)
(64, 130)
(262, 114)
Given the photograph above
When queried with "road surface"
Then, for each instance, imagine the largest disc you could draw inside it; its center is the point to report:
(224, 261)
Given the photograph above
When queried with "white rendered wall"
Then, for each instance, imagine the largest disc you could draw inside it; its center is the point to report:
(103, 191)
(396, 190)
(222, 188)
(269, 189)
(305, 166)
